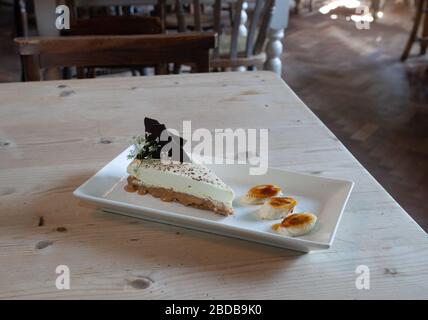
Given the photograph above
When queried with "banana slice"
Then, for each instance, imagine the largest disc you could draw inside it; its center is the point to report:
(259, 194)
(296, 224)
(276, 208)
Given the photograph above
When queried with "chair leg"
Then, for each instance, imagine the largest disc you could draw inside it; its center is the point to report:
(21, 25)
(424, 40)
(414, 32)
(31, 66)
(80, 73)
(143, 71)
(21, 18)
(162, 69)
(311, 5)
(177, 68)
(297, 7)
(375, 8)
(67, 73)
(91, 73)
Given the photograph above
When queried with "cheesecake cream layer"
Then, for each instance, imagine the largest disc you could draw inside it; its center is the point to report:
(184, 178)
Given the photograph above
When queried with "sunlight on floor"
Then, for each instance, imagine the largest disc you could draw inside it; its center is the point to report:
(350, 4)
(361, 12)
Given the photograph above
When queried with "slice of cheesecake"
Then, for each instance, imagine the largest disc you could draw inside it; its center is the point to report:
(188, 183)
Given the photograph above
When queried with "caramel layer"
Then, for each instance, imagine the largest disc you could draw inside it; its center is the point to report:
(169, 195)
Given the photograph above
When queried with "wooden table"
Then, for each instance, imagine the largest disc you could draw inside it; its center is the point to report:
(55, 135)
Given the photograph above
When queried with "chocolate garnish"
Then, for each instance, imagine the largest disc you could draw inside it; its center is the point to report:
(154, 130)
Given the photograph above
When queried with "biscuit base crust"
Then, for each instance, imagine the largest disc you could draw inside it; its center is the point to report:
(168, 195)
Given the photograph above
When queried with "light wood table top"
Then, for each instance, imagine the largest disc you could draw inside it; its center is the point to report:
(55, 135)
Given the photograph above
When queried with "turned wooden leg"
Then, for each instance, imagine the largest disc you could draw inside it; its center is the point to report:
(243, 31)
(414, 32)
(274, 51)
(244, 17)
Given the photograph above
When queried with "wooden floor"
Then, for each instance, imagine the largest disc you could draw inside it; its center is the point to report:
(353, 80)
(377, 106)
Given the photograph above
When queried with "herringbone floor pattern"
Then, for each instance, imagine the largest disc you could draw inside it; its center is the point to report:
(378, 107)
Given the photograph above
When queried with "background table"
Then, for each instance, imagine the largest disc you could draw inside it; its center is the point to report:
(55, 135)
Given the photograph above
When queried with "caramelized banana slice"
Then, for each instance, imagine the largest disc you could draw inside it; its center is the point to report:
(259, 194)
(296, 224)
(277, 208)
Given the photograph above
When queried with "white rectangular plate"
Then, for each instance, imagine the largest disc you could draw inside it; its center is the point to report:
(324, 197)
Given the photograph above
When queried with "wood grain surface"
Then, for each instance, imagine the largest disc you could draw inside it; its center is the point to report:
(56, 134)
(114, 51)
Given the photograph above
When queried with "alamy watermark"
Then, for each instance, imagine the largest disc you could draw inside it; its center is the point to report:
(363, 279)
(362, 282)
(220, 146)
(62, 21)
(362, 17)
(62, 281)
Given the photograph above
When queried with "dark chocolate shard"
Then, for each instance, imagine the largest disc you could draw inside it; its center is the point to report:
(154, 130)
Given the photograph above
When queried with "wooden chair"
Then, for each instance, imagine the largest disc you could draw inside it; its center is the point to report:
(126, 51)
(85, 8)
(20, 22)
(188, 9)
(234, 50)
(112, 25)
